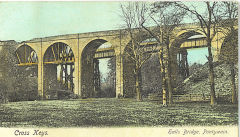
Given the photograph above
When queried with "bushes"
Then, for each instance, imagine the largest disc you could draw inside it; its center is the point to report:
(24, 95)
(23, 89)
(107, 92)
(3, 97)
(198, 76)
(31, 95)
(3, 93)
(66, 94)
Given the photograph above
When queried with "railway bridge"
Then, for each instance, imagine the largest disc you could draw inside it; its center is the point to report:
(71, 59)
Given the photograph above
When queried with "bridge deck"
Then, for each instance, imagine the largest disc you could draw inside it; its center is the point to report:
(104, 53)
(194, 43)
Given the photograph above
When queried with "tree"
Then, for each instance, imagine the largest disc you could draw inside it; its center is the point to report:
(151, 80)
(16, 84)
(166, 17)
(229, 19)
(209, 26)
(110, 79)
(8, 68)
(131, 15)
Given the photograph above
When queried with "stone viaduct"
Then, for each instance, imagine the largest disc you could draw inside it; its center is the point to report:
(76, 52)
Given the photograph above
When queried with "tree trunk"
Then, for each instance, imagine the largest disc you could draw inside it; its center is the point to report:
(169, 89)
(210, 57)
(187, 66)
(169, 82)
(234, 95)
(211, 75)
(161, 59)
(138, 86)
(164, 95)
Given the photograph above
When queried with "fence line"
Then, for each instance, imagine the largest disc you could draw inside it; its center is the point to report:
(187, 97)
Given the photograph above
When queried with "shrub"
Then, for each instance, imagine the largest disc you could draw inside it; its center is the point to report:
(66, 94)
(22, 95)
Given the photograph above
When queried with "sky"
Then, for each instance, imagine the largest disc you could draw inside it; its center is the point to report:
(26, 20)
(22, 21)
(197, 55)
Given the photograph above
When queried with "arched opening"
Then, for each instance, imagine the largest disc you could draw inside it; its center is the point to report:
(198, 81)
(98, 70)
(191, 69)
(190, 51)
(26, 85)
(58, 70)
(26, 56)
(192, 54)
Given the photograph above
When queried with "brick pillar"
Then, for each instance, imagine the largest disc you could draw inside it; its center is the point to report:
(40, 76)
(119, 76)
(77, 77)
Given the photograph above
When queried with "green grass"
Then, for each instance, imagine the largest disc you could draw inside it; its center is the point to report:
(113, 112)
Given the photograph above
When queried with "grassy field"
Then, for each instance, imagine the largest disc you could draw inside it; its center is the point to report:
(113, 112)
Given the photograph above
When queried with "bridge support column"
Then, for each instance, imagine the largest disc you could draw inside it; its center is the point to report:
(71, 86)
(76, 79)
(40, 77)
(183, 64)
(119, 76)
(65, 76)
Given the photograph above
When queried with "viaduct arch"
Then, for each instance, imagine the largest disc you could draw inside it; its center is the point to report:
(84, 45)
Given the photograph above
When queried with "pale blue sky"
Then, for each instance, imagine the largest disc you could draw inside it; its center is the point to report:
(197, 55)
(22, 21)
(26, 20)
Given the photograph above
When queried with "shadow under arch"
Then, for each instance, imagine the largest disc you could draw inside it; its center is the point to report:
(58, 61)
(90, 73)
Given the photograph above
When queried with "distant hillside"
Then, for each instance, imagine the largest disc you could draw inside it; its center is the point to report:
(198, 81)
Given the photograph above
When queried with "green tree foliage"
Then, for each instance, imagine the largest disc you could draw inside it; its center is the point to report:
(17, 83)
